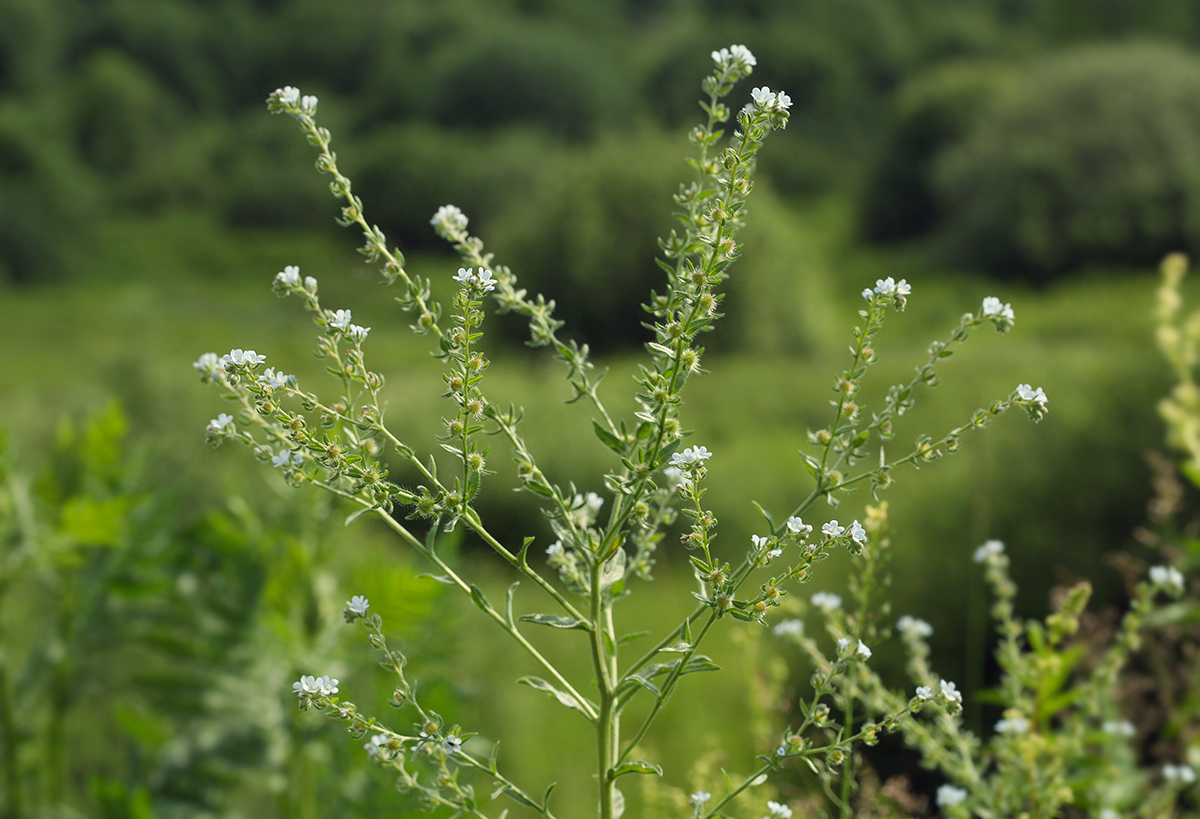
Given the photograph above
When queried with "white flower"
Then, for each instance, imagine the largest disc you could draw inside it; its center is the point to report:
(741, 53)
(325, 686)
(1178, 774)
(992, 306)
(449, 217)
(950, 693)
(914, 626)
(340, 319)
(377, 742)
(288, 95)
(763, 97)
(1119, 728)
(209, 365)
(310, 284)
(699, 798)
(826, 601)
(464, 275)
(306, 687)
(889, 286)
(924, 692)
(1036, 396)
(308, 104)
(992, 548)
(785, 628)
(275, 380)
(285, 457)
(691, 455)
(832, 529)
(1015, 725)
(857, 533)
(782, 811)
(862, 651)
(867, 293)
(485, 281)
(289, 275)
(948, 796)
(358, 604)
(220, 422)
(782, 101)
(357, 333)
(1167, 577)
(555, 549)
(452, 744)
(240, 357)
(796, 525)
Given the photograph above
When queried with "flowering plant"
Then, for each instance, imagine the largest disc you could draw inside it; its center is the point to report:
(597, 560)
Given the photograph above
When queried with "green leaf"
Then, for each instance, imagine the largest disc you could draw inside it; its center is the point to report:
(563, 697)
(638, 767)
(556, 621)
(608, 439)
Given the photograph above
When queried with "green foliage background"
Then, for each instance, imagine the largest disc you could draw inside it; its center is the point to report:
(146, 199)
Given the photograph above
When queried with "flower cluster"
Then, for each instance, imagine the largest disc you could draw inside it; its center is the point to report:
(481, 281)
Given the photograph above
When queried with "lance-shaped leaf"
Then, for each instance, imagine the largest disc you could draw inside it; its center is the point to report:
(562, 696)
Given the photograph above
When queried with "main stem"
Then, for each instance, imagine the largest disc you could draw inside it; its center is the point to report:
(608, 725)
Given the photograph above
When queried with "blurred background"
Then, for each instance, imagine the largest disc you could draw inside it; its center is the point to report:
(158, 597)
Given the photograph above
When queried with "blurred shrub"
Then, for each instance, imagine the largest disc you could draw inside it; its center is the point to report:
(47, 198)
(933, 111)
(507, 72)
(590, 230)
(120, 113)
(1093, 159)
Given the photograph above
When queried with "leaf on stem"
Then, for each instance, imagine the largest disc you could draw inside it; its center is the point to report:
(562, 696)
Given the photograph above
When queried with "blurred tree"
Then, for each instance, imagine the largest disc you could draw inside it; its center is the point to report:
(1092, 160)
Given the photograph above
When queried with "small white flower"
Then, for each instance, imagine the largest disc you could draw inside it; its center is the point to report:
(699, 798)
(373, 748)
(220, 422)
(793, 627)
(325, 686)
(1034, 395)
(357, 333)
(857, 533)
(867, 293)
(760, 542)
(914, 626)
(741, 53)
(240, 357)
(771, 555)
(340, 319)
(950, 692)
(288, 94)
(275, 380)
(285, 457)
(832, 529)
(485, 282)
(691, 455)
(924, 692)
(289, 275)
(1109, 813)
(763, 97)
(310, 284)
(209, 364)
(452, 744)
(1119, 728)
(782, 101)
(797, 526)
(779, 810)
(885, 287)
(826, 601)
(989, 549)
(449, 217)
(358, 604)
(1178, 774)
(862, 651)
(948, 796)
(1167, 577)
(992, 306)
(1014, 725)
(306, 687)
(555, 549)
(308, 104)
